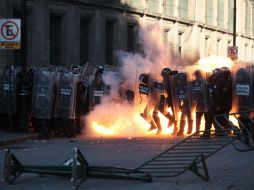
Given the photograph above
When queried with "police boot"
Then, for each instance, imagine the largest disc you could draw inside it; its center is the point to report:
(152, 126)
(175, 128)
(157, 121)
(181, 130)
(190, 123)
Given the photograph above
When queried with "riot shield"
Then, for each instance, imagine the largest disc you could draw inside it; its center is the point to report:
(8, 90)
(181, 95)
(66, 91)
(198, 89)
(97, 90)
(43, 94)
(251, 68)
(242, 87)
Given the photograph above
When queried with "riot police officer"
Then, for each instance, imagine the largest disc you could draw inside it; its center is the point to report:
(42, 101)
(183, 102)
(153, 102)
(97, 89)
(198, 89)
(218, 87)
(242, 94)
(166, 74)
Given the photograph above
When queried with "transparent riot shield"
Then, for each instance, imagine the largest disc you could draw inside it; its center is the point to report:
(242, 87)
(66, 91)
(8, 82)
(198, 89)
(43, 94)
(181, 95)
(251, 68)
(97, 90)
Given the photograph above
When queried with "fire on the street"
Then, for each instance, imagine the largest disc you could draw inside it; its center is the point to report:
(117, 123)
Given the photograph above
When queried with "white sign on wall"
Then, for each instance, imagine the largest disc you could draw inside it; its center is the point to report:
(233, 52)
(10, 33)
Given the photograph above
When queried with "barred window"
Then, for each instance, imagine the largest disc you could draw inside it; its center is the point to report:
(209, 12)
(230, 15)
(55, 35)
(184, 9)
(169, 7)
(134, 3)
(248, 19)
(153, 6)
(221, 13)
(109, 36)
(84, 40)
(130, 37)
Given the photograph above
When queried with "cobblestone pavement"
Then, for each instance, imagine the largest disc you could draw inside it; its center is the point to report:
(228, 168)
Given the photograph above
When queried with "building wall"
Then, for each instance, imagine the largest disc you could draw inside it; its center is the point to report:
(188, 29)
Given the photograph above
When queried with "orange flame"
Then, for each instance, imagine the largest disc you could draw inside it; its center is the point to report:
(129, 123)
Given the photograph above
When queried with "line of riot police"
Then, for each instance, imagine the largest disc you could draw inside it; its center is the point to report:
(196, 93)
(58, 97)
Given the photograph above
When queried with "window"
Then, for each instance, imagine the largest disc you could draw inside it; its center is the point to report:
(109, 36)
(253, 20)
(206, 45)
(134, 3)
(218, 46)
(180, 39)
(153, 6)
(55, 35)
(17, 53)
(209, 12)
(84, 40)
(184, 9)
(169, 8)
(247, 19)
(246, 51)
(221, 13)
(130, 37)
(230, 15)
(165, 37)
(252, 52)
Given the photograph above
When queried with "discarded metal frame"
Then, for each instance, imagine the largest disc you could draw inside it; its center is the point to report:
(77, 168)
(245, 134)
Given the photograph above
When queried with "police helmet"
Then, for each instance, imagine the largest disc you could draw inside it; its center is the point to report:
(198, 73)
(165, 72)
(143, 78)
(75, 69)
(241, 75)
(100, 69)
(181, 78)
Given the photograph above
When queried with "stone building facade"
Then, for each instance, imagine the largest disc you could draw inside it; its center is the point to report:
(66, 32)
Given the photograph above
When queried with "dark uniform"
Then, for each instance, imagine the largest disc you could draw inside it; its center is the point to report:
(166, 73)
(154, 101)
(97, 90)
(219, 101)
(183, 102)
(198, 88)
(243, 99)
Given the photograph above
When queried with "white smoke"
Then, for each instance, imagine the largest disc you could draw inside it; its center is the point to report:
(119, 116)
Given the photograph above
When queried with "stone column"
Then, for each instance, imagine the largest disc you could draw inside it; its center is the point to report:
(39, 33)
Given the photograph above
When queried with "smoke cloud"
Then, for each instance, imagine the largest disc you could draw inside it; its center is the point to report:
(113, 117)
